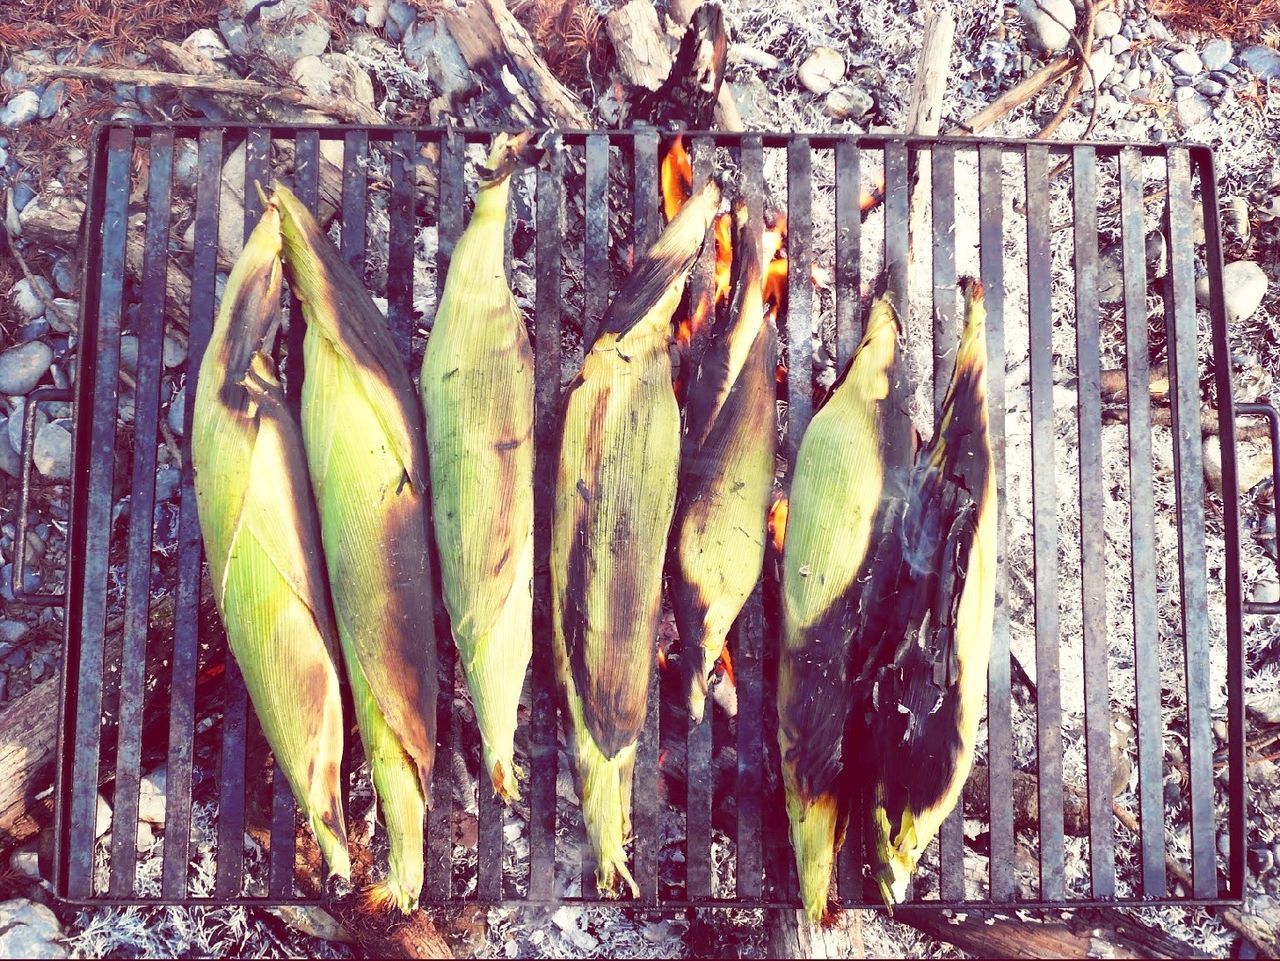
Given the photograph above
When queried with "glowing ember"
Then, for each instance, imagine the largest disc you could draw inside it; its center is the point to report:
(727, 662)
(778, 522)
(873, 198)
(676, 177)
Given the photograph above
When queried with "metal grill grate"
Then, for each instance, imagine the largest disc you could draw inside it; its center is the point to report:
(993, 204)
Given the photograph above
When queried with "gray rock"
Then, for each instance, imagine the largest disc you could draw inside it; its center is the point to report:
(282, 31)
(174, 352)
(1120, 44)
(399, 18)
(151, 797)
(1244, 284)
(1111, 276)
(21, 109)
(1186, 62)
(1157, 30)
(1210, 88)
(30, 930)
(1102, 62)
(22, 195)
(177, 410)
(1193, 110)
(848, 102)
(64, 274)
(22, 367)
(27, 299)
(821, 70)
(16, 412)
(1235, 219)
(1050, 22)
(168, 480)
(1265, 706)
(51, 101)
(1184, 83)
(1107, 24)
(10, 462)
(129, 353)
(333, 75)
(1263, 61)
(427, 46)
(52, 454)
(1217, 53)
(186, 163)
(11, 632)
(63, 318)
(206, 43)
(1132, 79)
(25, 861)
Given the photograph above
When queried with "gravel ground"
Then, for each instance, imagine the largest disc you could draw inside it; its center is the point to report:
(814, 65)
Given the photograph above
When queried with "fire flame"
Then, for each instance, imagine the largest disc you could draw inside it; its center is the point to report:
(676, 177)
(778, 521)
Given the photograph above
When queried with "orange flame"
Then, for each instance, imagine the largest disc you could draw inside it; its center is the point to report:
(778, 521)
(775, 271)
(873, 198)
(727, 662)
(676, 178)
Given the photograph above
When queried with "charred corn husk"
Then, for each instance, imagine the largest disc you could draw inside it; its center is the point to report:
(615, 494)
(262, 539)
(836, 504)
(726, 473)
(922, 718)
(477, 391)
(363, 431)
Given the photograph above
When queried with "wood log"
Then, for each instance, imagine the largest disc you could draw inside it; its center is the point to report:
(1015, 97)
(639, 44)
(792, 935)
(501, 52)
(1076, 934)
(727, 116)
(28, 740)
(689, 96)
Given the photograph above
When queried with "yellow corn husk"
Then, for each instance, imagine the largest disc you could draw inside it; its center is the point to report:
(923, 722)
(477, 392)
(726, 472)
(615, 495)
(262, 540)
(363, 432)
(836, 504)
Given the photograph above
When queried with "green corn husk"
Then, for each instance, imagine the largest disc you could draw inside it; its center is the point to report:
(726, 472)
(262, 539)
(921, 728)
(363, 431)
(615, 495)
(836, 504)
(477, 392)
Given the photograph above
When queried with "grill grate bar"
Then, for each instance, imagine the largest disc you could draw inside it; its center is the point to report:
(229, 878)
(1185, 389)
(799, 352)
(400, 238)
(542, 746)
(999, 719)
(1093, 536)
(186, 624)
(1237, 816)
(596, 239)
(355, 198)
(945, 340)
(1045, 510)
(645, 821)
(1146, 659)
(137, 602)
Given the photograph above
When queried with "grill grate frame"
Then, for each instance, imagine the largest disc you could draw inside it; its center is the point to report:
(765, 875)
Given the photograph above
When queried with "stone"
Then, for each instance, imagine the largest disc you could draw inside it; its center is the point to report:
(1132, 79)
(1157, 30)
(168, 480)
(428, 46)
(206, 43)
(52, 454)
(1265, 706)
(1107, 24)
(129, 352)
(1263, 61)
(32, 331)
(11, 632)
(22, 367)
(27, 299)
(102, 824)
(1120, 44)
(174, 351)
(10, 460)
(1186, 62)
(21, 109)
(1111, 276)
(177, 410)
(1209, 87)
(745, 53)
(62, 317)
(1245, 286)
(1235, 219)
(1217, 53)
(400, 16)
(283, 30)
(51, 101)
(1193, 110)
(30, 930)
(151, 799)
(64, 274)
(821, 70)
(1102, 62)
(848, 102)
(333, 75)
(25, 861)
(186, 163)
(1050, 22)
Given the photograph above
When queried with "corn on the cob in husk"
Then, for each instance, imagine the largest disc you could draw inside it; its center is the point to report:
(363, 431)
(836, 507)
(477, 392)
(936, 605)
(726, 472)
(615, 495)
(262, 539)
